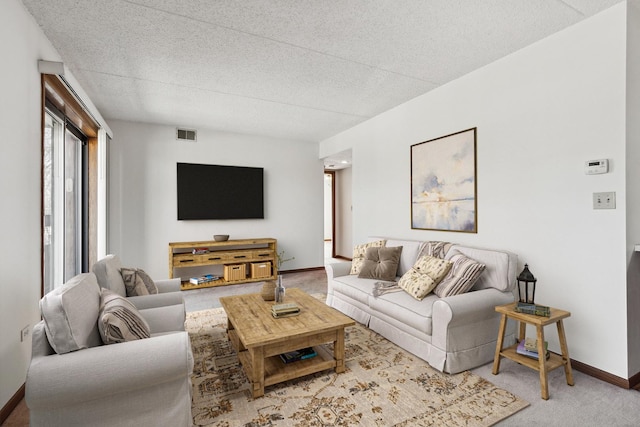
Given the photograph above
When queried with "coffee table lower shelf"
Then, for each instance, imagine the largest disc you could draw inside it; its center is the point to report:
(276, 371)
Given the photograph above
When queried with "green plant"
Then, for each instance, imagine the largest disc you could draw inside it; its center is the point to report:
(282, 259)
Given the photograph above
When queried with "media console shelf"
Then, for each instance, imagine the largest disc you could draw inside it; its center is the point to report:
(229, 253)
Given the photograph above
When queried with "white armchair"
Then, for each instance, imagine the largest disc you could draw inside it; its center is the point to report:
(74, 380)
(107, 271)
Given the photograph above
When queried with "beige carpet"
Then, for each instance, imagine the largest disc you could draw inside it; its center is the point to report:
(383, 386)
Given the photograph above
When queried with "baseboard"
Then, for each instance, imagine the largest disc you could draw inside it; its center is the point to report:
(633, 382)
(301, 270)
(11, 404)
(343, 257)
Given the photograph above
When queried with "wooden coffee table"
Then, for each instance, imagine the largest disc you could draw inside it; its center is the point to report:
(259, 338)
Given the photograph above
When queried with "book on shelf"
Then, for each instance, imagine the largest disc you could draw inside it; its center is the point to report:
(536, 309)
(302, 354)
(522, 349)
(203, 279)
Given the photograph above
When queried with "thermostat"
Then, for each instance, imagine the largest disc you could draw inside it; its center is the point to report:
(594, 167)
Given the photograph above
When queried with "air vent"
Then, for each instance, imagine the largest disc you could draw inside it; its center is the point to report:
(186, 134)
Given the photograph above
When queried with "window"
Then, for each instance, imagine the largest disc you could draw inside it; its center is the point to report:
(69, 162)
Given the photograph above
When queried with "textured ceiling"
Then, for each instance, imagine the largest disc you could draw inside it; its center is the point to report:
(302, 70)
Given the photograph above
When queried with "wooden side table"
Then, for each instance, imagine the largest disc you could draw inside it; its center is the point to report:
(542, 365)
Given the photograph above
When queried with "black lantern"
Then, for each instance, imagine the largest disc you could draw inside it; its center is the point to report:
(524, 279)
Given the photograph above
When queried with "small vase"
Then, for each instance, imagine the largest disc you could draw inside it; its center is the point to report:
(279, 291)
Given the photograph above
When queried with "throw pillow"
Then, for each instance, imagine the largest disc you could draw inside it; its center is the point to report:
(137, 282)
(359, 252)
(381, 263)
(462, 276)
(119, 320)
(424, 276)
(70, 312)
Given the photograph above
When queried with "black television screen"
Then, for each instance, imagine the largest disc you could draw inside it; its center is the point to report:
(219, 192)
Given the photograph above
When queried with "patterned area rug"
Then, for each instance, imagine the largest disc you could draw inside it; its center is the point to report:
(382, 386)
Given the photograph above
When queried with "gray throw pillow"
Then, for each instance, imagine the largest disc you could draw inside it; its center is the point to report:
(137, 282)
(119, 320)
(381, 263)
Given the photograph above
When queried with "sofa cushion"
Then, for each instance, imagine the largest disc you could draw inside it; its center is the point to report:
(107, 271)
(406, 309)
(354, 287)
(424, 276)
(119, 320)
(70, 313)
(381, 263)
(137, 282)
(359, 252)
(462, 276)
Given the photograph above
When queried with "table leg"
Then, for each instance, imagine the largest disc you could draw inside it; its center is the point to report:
(338, 351)
(496, 358)
(256, 354)
(542, 363)
(523, 331)
(565, 353)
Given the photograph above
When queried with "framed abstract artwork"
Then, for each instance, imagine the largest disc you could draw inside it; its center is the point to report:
(443, 183)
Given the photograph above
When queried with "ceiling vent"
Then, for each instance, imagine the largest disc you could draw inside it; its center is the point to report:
(186, 134)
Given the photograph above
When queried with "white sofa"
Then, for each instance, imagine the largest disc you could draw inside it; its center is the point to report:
(452, 334)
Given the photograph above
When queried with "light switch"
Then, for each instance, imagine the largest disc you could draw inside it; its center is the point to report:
(604, 200)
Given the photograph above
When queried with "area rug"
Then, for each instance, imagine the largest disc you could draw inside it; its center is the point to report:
(383, 386)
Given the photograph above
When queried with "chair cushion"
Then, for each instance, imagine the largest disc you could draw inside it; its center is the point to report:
(119, 320)
(463, 275)
(359, 252)
(381, 263)
(424, 276)
(137, 282)
(70, 313)
(107, 271)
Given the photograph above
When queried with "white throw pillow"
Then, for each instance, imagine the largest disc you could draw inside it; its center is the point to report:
(70, 313)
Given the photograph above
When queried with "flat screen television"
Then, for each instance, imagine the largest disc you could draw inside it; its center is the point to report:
(219, 192)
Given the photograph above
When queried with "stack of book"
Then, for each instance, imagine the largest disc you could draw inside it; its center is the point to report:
(285, 310)
(203, 279)
(292, 356)
(538, 310)
(529, 347)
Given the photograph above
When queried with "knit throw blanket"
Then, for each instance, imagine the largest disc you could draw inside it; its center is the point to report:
(435, 249)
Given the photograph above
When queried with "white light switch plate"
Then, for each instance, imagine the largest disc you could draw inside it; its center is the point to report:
(604, 200)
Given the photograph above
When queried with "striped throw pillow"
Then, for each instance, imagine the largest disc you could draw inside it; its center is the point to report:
(119, 320)
(462, 276)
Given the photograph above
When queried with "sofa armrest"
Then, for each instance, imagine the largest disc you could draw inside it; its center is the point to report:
(169, 318)
(156, 300)
(99, 372)
(465, 310)
(168, 285)
(337, 269)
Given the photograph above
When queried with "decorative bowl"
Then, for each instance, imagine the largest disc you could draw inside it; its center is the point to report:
(220, 237)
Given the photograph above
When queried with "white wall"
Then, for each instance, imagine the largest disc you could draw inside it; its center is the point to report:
(143, 194)
(633, 183)
(540, 113)
(21, 45)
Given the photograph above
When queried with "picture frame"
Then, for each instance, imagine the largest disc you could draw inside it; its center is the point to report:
(444, 183)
